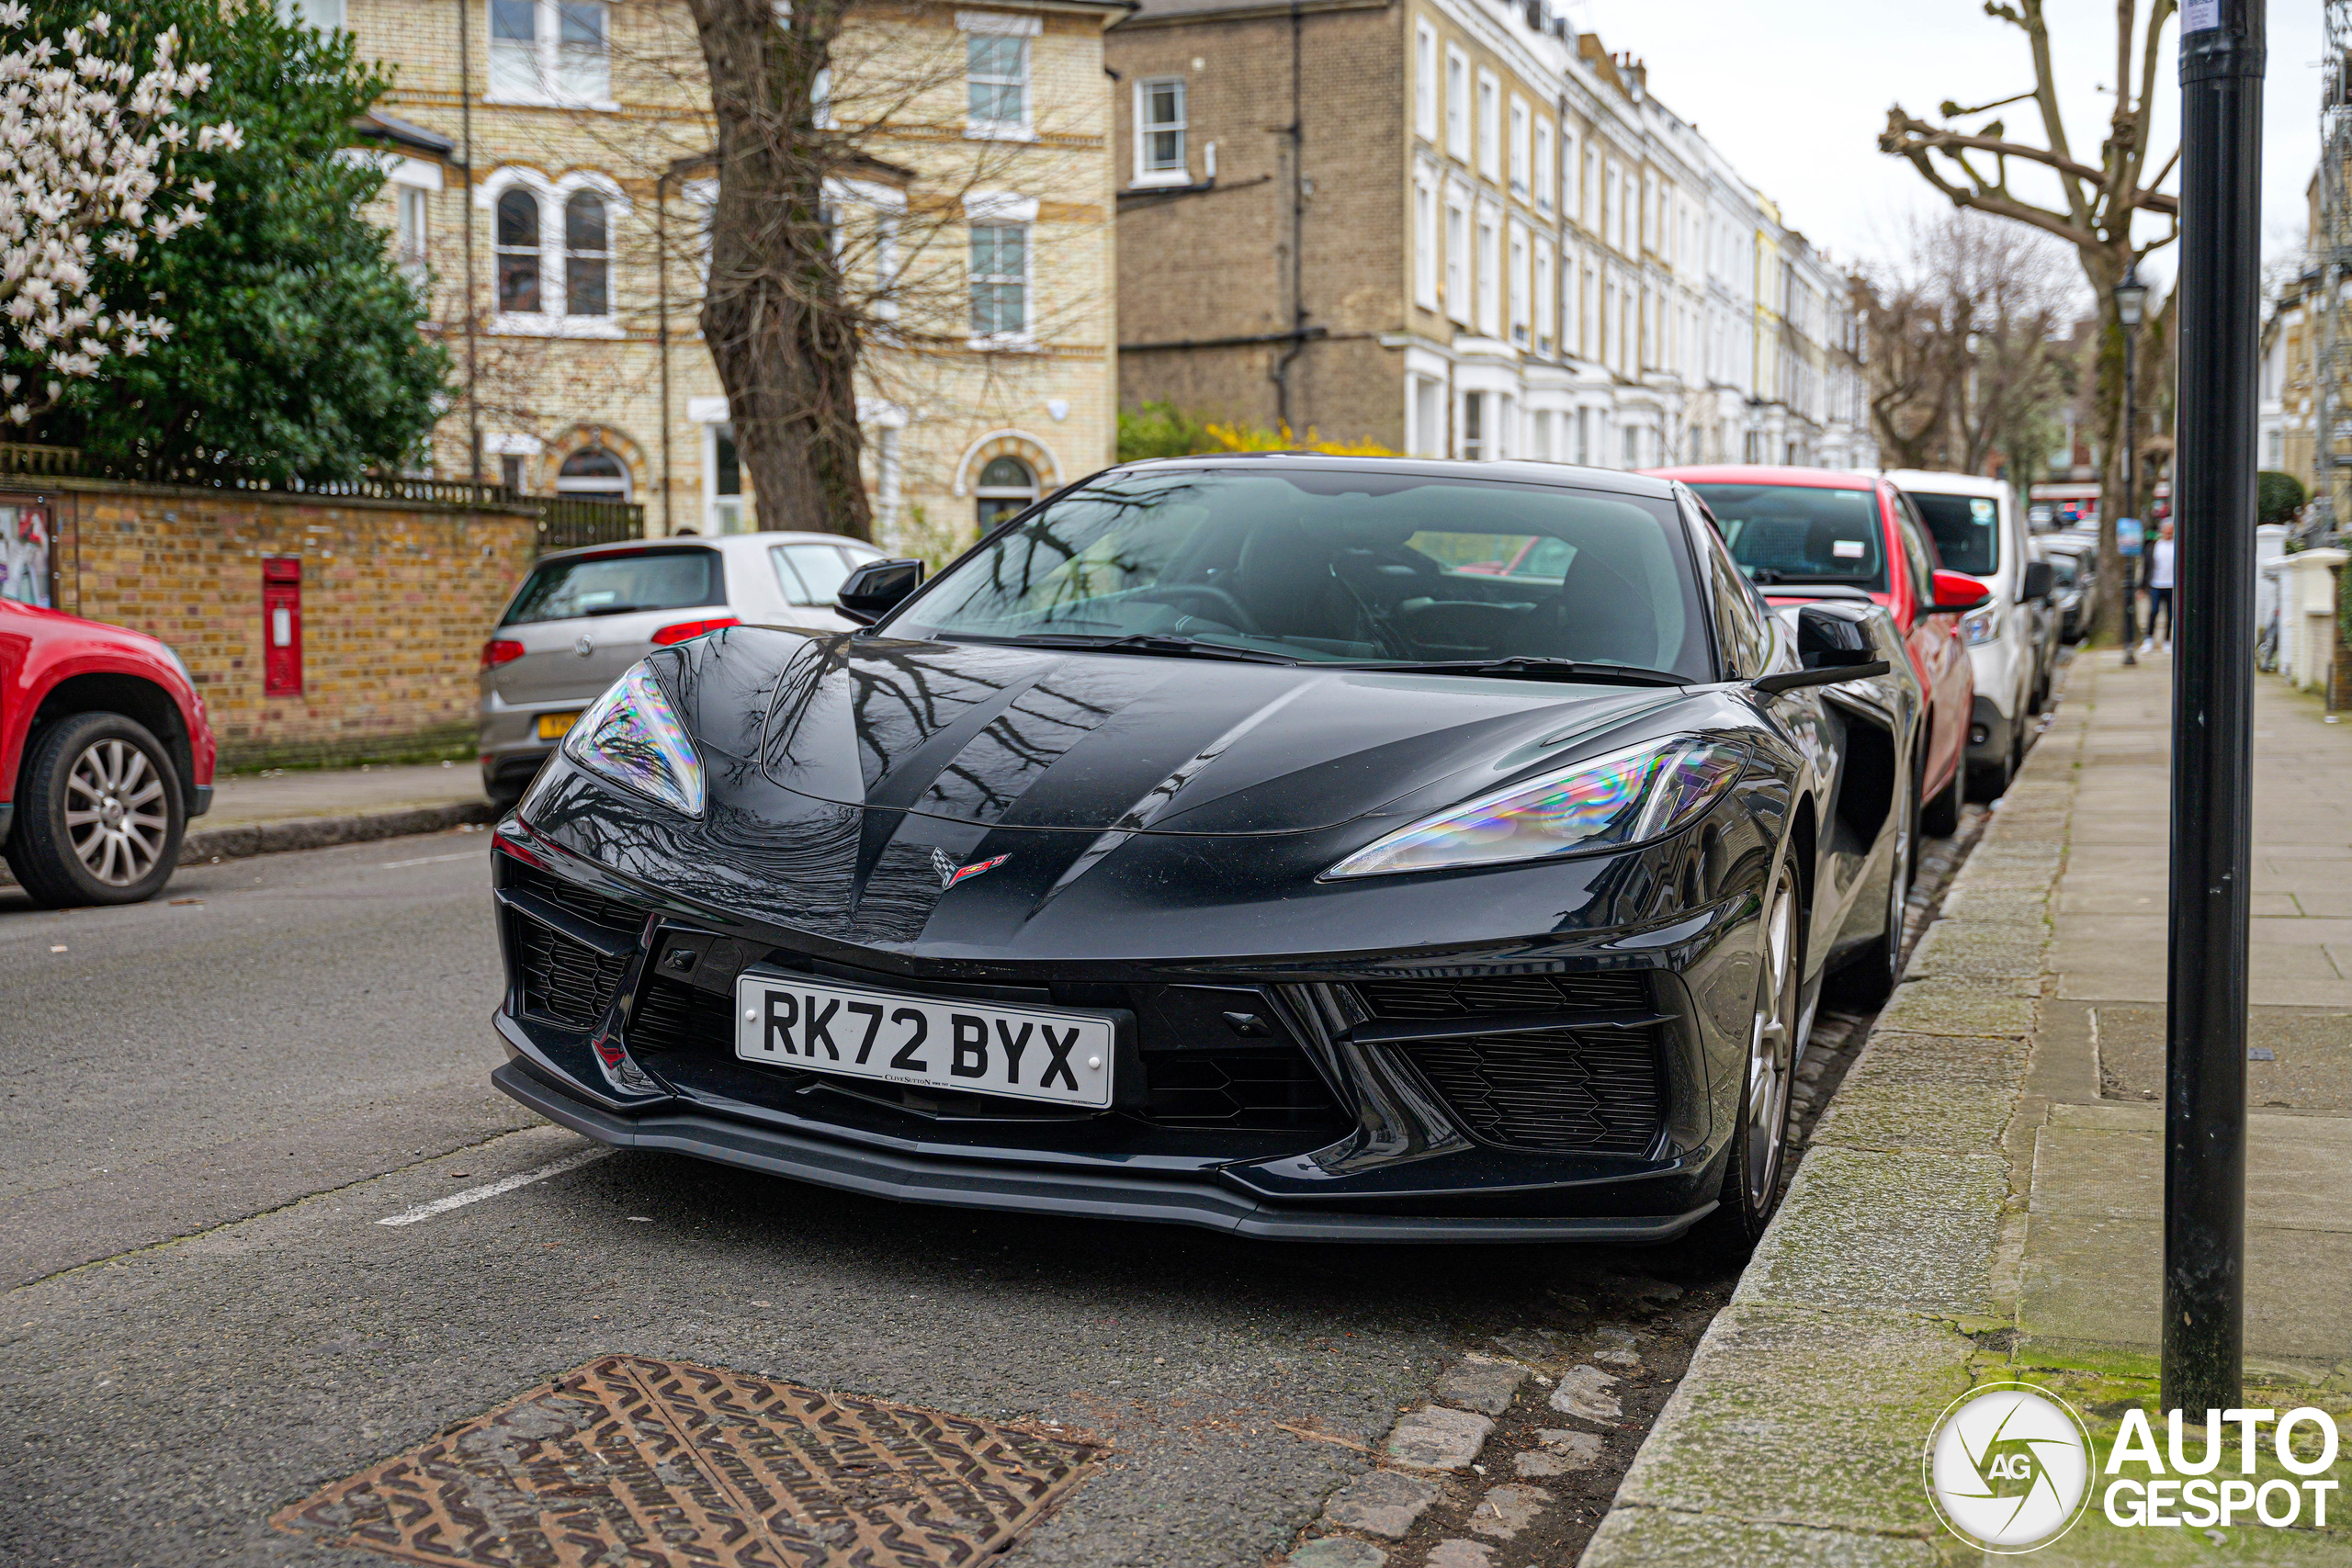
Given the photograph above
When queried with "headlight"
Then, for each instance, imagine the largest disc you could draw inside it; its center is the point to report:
(1608, 803)
(631, 736)
(1981, 625)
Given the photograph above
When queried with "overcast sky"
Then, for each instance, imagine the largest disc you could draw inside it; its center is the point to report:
(1796, 91)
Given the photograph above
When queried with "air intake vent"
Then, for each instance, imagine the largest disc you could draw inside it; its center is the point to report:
(1587, 1091)
(1245, 1090)
(575, 899)
(1404, 1000)
(563, 980)
(669, 1016)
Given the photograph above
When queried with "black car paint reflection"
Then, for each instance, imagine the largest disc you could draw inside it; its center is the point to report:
(1166, 824)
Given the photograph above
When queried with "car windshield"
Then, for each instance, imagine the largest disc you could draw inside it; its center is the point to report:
(1967, 530)
(1348, 567)
(614, 585)
(1781, 533)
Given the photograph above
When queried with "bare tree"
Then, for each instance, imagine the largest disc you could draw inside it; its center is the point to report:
(1966, 363)
(2098, 202)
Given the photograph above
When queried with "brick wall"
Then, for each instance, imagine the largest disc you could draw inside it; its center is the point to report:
(396, 601)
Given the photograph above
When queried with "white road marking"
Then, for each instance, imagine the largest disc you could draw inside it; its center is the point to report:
(426, 859)
(492, 1190)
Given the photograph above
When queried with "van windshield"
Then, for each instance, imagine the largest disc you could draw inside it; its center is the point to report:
(1967, 530)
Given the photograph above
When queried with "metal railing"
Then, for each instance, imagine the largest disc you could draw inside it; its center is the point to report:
(564, 520)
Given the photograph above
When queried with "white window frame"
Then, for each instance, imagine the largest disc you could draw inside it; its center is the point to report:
(1425, 238)
(1424, 416)
(1457, 104)
(327, 15)
(1490, 264)
(1589, 191)
(1546, 292)
(1181, 172)
(717, 508)
(1522, 152)
(1490, 125)
(998, 23)
(1547, 187)
(1003, 210)
(1426, 86)
(546, 81)
(1612, 208)
(1457, 254)
(1518, 260)
(551, 319)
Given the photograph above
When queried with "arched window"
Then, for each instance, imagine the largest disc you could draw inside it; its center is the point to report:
(1006, 486)
(593, 474)
(519, 250)
(587, 258)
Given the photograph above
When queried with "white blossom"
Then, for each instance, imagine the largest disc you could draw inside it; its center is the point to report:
(87, 150)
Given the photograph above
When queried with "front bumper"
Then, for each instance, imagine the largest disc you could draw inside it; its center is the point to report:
(1099, 1194)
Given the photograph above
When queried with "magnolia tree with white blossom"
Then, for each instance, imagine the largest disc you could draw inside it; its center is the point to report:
(89, 144)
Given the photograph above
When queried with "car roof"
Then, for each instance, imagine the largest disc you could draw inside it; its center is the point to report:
(1930, 478)
(704, 541)
(1510, 470)
(1768, 474)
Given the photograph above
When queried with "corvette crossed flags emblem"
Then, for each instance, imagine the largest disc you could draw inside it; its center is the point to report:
(950, 874)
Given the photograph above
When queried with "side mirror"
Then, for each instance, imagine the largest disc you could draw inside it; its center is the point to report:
(1956, 595)
(876, 588)
(1834, 644)
(2041, 580)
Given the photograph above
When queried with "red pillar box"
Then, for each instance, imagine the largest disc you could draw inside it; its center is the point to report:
(281, 625)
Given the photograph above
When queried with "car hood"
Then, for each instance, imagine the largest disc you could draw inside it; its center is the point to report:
(1009, 737)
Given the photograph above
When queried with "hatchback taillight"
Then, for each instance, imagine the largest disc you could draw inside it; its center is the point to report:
(685, 630)
(500, 651)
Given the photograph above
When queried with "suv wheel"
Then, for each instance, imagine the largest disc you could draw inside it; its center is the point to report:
(98, 814)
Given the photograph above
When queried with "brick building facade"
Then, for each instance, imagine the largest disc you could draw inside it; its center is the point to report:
(549, 172)
(1459, 228)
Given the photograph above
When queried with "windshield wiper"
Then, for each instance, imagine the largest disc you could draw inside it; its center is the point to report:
(1140, 642)
(1767, 576)
(1523, 669)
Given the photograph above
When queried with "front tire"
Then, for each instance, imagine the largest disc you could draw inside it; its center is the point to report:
(1750, 1194)
(99, 813)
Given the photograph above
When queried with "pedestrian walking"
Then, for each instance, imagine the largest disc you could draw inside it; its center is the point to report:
(2160, 587)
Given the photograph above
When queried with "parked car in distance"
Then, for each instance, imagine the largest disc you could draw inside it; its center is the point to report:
(1824, 534)
(1977, 530)
(105, 754)
(2073, 567)
(584, 616)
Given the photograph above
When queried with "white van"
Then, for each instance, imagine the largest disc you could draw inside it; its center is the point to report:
(1978, 530)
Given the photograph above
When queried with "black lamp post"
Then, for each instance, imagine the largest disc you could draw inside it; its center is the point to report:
(2131, 303)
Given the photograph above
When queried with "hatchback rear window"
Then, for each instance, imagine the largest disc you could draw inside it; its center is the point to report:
(1793, 534)
(674, 578)
(1967, 530)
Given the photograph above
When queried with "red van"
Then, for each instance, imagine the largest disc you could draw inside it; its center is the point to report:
(105, 754)
(1822, 532)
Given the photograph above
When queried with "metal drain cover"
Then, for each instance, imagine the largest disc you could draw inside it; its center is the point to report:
(627, 1460)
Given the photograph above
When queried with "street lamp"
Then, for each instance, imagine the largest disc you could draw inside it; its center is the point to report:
(2131, 303)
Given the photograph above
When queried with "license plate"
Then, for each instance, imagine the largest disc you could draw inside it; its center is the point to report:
(556, 726)
(966, 1046)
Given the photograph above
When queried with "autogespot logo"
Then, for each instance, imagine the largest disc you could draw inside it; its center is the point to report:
(2009, 1467)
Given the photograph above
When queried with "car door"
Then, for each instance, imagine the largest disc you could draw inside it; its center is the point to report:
(1937, 649)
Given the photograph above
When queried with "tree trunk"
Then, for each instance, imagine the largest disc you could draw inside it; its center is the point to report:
(784, 340)
(2105, 268)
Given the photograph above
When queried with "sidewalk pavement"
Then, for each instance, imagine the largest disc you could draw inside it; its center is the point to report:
(1982, 1201)
(309, 809)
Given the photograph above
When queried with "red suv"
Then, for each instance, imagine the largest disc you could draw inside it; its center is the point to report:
(105, 754)
(1820, 533)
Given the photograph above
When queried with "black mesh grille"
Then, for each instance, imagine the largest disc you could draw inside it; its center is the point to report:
(1401, 999)
(1588, 1090)
(575, 899)
(562, 979)
(670, 1017)
(1250, 1091)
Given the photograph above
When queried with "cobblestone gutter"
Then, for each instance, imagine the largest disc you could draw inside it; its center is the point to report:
(1795, 1436)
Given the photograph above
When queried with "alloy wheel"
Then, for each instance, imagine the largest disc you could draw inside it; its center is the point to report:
(1771, 1054)
(115, 817)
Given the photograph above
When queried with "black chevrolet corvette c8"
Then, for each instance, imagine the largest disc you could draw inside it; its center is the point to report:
(1326, 848)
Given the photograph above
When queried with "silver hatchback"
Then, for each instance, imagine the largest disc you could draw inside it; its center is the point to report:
(584, 616)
